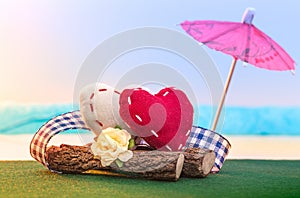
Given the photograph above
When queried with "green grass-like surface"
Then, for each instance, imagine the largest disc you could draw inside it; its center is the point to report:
(238, 178)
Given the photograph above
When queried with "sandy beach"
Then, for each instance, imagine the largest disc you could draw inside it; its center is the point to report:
(16, 147)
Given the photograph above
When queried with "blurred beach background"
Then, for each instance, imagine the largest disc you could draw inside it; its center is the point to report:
(44, 43)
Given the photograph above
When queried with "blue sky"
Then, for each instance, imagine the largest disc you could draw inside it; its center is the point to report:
(44, 43)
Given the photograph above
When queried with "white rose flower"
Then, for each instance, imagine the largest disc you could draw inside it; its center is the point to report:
(112, 144)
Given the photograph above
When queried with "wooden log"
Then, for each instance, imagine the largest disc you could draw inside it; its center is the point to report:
(159, 165)
(156, 165)
(71, 159)
(198, 162)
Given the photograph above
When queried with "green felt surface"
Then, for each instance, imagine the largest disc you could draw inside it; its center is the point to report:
(238, 178)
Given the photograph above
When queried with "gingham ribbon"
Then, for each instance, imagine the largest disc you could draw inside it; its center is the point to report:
(38, 145)
(199, 138)
(207, 139)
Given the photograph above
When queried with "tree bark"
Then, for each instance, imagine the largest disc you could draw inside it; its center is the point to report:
(153, 165)
(158, 165)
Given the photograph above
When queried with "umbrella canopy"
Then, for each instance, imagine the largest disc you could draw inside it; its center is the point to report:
(243, 41)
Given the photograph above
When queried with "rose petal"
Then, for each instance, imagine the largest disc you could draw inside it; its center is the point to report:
(125, 156)
(106, 162)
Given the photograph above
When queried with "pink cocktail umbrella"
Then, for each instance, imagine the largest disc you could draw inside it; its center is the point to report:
(243, 41)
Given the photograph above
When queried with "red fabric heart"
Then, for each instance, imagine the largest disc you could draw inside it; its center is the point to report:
(163, 120)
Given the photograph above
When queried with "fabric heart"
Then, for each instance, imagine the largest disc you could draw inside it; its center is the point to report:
(99, 107)
(163, 120)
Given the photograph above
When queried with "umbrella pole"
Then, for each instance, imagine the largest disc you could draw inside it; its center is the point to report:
(215, 123)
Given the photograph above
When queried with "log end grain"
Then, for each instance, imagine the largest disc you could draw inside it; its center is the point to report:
(179, 166)
(208, 162)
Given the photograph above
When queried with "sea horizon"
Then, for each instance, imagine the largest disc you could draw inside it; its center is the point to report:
(18, 118)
